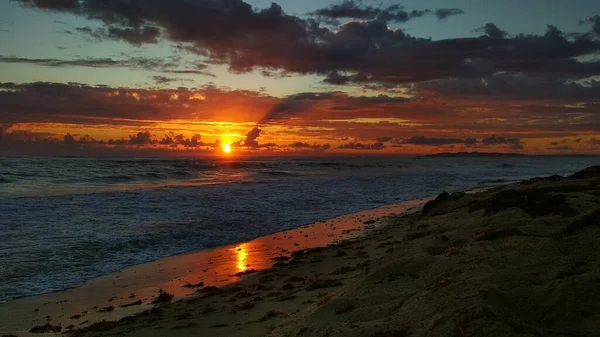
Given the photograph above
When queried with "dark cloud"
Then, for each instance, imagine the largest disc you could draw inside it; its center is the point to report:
(560, 148)
(329, 105)
(384, 139)
(141, 138)
(68, 139)
(514, 85)
(299, 145)
(83, 104)
(360, 146)
(493, 140)
(4, 129)
(251, 138)
(492, 31)
(10, 136)
(135, 36)
(85, 139)
(180, 140)
(443, 13)
(163, 80)
(420, 140)
(350, 9)
(307, 115)
(232, 32)
(307, 146)
(68, 5)
(594, 141)
(552, 32)
(293, 104)
(160, 64)
(595, 21)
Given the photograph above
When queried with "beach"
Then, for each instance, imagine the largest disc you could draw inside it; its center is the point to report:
(514, 260)
(133, 289)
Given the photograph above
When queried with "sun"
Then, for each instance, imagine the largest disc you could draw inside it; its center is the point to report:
(227, 148)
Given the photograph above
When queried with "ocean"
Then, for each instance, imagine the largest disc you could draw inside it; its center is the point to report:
(64, 221)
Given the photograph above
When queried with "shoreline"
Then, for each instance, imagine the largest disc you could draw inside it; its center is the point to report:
(118, 295)
(518, 259)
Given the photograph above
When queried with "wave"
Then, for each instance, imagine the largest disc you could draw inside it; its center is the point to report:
(4, 181)
(180, 173)
(117, 178)
(280, 173)
(495, 181)
(155, 175)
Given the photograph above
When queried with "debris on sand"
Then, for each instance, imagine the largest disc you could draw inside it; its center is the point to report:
(163, 297)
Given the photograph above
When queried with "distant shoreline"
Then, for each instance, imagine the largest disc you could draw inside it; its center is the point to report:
(474, 154)
(498, 154)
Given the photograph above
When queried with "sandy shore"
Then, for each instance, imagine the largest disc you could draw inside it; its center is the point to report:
(133, 289)
(517, 260)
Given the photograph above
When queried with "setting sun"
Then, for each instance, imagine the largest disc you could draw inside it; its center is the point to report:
(227, 148)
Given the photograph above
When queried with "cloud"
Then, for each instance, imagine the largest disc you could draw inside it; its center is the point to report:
(594, 141)
(353, 10)
(444, 13)
(560, 148)
(161, 64)
(84, 104)
(68, 139)
(86, 139)
(332, 115)
(135, 36)
(350, 9)
(384, 139)
(358, 52)
(4, 128)
(293, 104)
(180, 140)
(307, 146)
(251, 138)
(595, 21)
(514, 143)
(163, 80)
(420, 140)
(299, 145)
(68, 5)
(141, 138)
(360, 146)
(492, 31)
(8, 135)
(514, 85)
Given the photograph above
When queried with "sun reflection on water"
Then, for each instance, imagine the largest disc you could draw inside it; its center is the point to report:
(242, 256)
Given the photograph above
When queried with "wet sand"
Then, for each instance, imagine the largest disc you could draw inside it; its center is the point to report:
(133, 289)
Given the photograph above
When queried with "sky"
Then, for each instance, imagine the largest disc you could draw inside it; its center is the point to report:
(312, 77)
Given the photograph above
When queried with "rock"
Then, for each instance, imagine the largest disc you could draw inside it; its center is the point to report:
(587, 220)
(590, 172)
(534, 202)
(430, 205)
